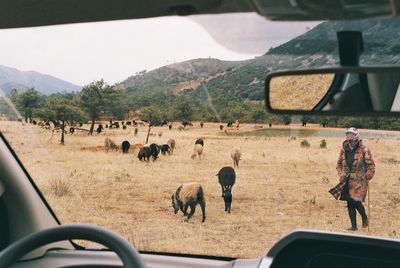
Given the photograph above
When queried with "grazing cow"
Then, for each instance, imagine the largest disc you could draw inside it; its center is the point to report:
(170, 126)
(201, 124)
(128, 123)
(98, 130)
(227, 178)
(144, 153)
(189, 195)
(125, 147)
(136, 131)
(221, 127)
(155, 150)
(71, 130)
(165, 149)
(124, 127)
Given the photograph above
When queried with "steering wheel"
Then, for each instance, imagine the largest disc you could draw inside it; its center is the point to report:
(128, 254)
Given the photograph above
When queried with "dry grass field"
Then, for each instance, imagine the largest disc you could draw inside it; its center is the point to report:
(280, 186)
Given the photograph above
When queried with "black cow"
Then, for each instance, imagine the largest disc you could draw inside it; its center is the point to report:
(226, 178)
(125, 147)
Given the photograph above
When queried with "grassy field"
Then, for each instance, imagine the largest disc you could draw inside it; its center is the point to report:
(277, 184)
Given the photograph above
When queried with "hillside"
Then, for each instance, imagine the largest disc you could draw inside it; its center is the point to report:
(13, 78)
(244, 79)
(218, 90)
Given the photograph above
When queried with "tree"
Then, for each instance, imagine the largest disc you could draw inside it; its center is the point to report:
(60, 110)
(26, 102)
(92, 100)
(114, 103)
(184, 109)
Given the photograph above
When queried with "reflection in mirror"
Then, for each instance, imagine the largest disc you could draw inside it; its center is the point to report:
(298, 91)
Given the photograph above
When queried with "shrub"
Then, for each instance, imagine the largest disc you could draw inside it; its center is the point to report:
(304, 144)
(59, 187)
(323, 144)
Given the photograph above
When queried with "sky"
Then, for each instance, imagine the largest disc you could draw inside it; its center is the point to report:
(82, 53)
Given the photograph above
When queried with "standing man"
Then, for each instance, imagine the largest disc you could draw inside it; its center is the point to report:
(355, 168)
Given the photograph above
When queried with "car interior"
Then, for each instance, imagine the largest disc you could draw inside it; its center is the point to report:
(31, 234)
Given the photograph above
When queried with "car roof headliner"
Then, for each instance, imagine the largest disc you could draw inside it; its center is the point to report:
(28, 13)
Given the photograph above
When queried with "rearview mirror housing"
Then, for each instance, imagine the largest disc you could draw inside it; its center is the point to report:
(373, 90)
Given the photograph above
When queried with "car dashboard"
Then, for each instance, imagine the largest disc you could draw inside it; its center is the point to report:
(302, 248)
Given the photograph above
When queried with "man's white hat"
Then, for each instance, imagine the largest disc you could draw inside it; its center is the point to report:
(352, 130)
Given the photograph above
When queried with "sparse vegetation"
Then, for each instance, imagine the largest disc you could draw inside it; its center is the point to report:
(323, 144)
(305, 144)
(59, 187)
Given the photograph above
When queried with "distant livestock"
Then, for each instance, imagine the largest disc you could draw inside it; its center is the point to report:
(181, 127)
(199, 141)
(124, 127)
(144, 153)
(187, 123)
(201, 124)
(71, 130)
(170, 126)
(155, 150)
(125, 147)
(136, 131)
(236, 155)
(227, 178)
(171, 144)
(197, 151)
(189, 195)
(165, 149)
(98, 130)
(221, 127)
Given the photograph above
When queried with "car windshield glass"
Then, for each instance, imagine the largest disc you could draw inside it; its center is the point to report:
(157, 129)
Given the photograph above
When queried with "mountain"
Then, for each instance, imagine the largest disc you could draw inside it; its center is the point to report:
(222, 88)
(13, 78)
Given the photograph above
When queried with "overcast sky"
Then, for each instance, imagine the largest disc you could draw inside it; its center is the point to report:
(81, 53)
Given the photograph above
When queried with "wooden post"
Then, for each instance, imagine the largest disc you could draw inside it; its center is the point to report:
(148, 134)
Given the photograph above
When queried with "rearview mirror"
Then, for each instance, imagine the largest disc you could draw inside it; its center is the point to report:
(341, 90)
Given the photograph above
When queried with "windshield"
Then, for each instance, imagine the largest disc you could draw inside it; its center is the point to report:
(157, 129)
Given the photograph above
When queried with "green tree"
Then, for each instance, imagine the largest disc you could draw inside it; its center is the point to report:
(60, 110)
(26, 102)
(184, 109)
(92, 100)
